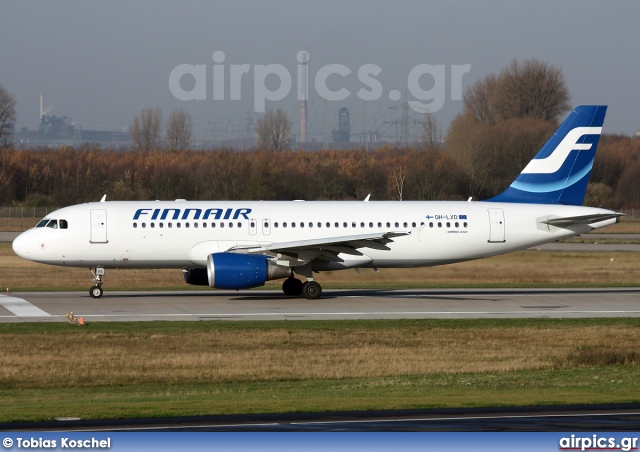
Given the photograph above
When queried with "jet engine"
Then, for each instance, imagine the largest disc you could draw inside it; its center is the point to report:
(242, 271)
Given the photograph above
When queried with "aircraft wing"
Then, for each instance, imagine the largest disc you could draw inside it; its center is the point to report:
(326, 249)
(582, 219)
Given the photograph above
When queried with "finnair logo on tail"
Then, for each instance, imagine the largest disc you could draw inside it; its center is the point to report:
(552, 163)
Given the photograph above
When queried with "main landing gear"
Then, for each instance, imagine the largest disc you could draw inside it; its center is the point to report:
(294, 287)
(96, 291)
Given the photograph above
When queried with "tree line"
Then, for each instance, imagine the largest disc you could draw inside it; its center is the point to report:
(68, 176)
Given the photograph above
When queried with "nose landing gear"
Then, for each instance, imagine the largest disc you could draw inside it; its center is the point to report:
(96, 291)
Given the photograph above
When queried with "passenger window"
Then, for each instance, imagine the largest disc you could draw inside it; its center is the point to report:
(186, 225)
(239, 224)
(275, 224)
(177, 225)
(465, 224)
(204, 225)
(230, 224)
(413, 225)
(431, 224)
(439, 224)
(284, 225)
(169, 224)
(353, 225)
(397, 224)
(344, 225)
(362, 224)
(63, 224)
(379, 224)
(213, 225)
(293, 224)
(153, 225)
(404, 224)
(221, 224)
(144, 225)
(135, 225)
(457, 224)
(388, 224)
(195, 225)
(161, 225)
(448, 224)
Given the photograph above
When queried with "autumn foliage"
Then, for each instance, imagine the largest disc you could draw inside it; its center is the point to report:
(67, 176)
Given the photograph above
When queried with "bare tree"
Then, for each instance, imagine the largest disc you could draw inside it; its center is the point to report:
(7, 117)
(431, 133)
(273, 130)
(396, 182)
(179, 129)
(533, 89)
(479, 100)
(145, 130)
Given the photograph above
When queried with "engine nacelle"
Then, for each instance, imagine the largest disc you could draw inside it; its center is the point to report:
(241, 271)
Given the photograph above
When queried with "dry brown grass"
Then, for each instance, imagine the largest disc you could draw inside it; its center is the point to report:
(626, 226)
(17, 224)
(237, 355)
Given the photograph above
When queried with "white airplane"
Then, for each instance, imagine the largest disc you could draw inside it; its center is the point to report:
(240, 245)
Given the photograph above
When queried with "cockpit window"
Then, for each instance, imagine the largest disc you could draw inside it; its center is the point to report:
(64, 224)
(42, 223)
(53, 224)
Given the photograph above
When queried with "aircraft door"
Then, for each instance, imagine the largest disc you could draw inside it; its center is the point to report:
(266, 226)
(98, 226)
(496, 226)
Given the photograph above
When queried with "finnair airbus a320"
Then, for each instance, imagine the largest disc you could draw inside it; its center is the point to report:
(240, 245)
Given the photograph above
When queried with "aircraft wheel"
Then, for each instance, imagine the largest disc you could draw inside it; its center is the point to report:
(311, 290)
(95, 292)
(292, 286)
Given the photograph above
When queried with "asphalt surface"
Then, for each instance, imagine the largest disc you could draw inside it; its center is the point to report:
(610, 418)
(335, 304)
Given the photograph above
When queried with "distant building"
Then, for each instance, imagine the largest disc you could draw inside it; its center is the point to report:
(343, 134)
(54, 131)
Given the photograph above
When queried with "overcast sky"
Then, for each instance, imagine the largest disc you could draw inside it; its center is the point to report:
(100, 63)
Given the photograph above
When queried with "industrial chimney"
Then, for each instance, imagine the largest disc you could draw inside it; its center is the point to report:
(303, 58)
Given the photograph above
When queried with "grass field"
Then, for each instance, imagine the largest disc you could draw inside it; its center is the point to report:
(112, 370)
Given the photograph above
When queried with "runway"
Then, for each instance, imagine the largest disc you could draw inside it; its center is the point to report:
(612, 417)
(335, 304)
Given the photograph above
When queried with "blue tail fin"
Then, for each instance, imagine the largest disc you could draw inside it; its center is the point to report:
(560, 172)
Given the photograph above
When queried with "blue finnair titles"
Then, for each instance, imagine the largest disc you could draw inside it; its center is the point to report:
(560, 172)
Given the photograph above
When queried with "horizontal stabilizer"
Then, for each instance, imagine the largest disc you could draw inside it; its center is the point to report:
(582, 219)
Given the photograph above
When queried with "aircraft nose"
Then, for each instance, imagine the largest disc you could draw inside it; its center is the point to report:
(21, 245)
